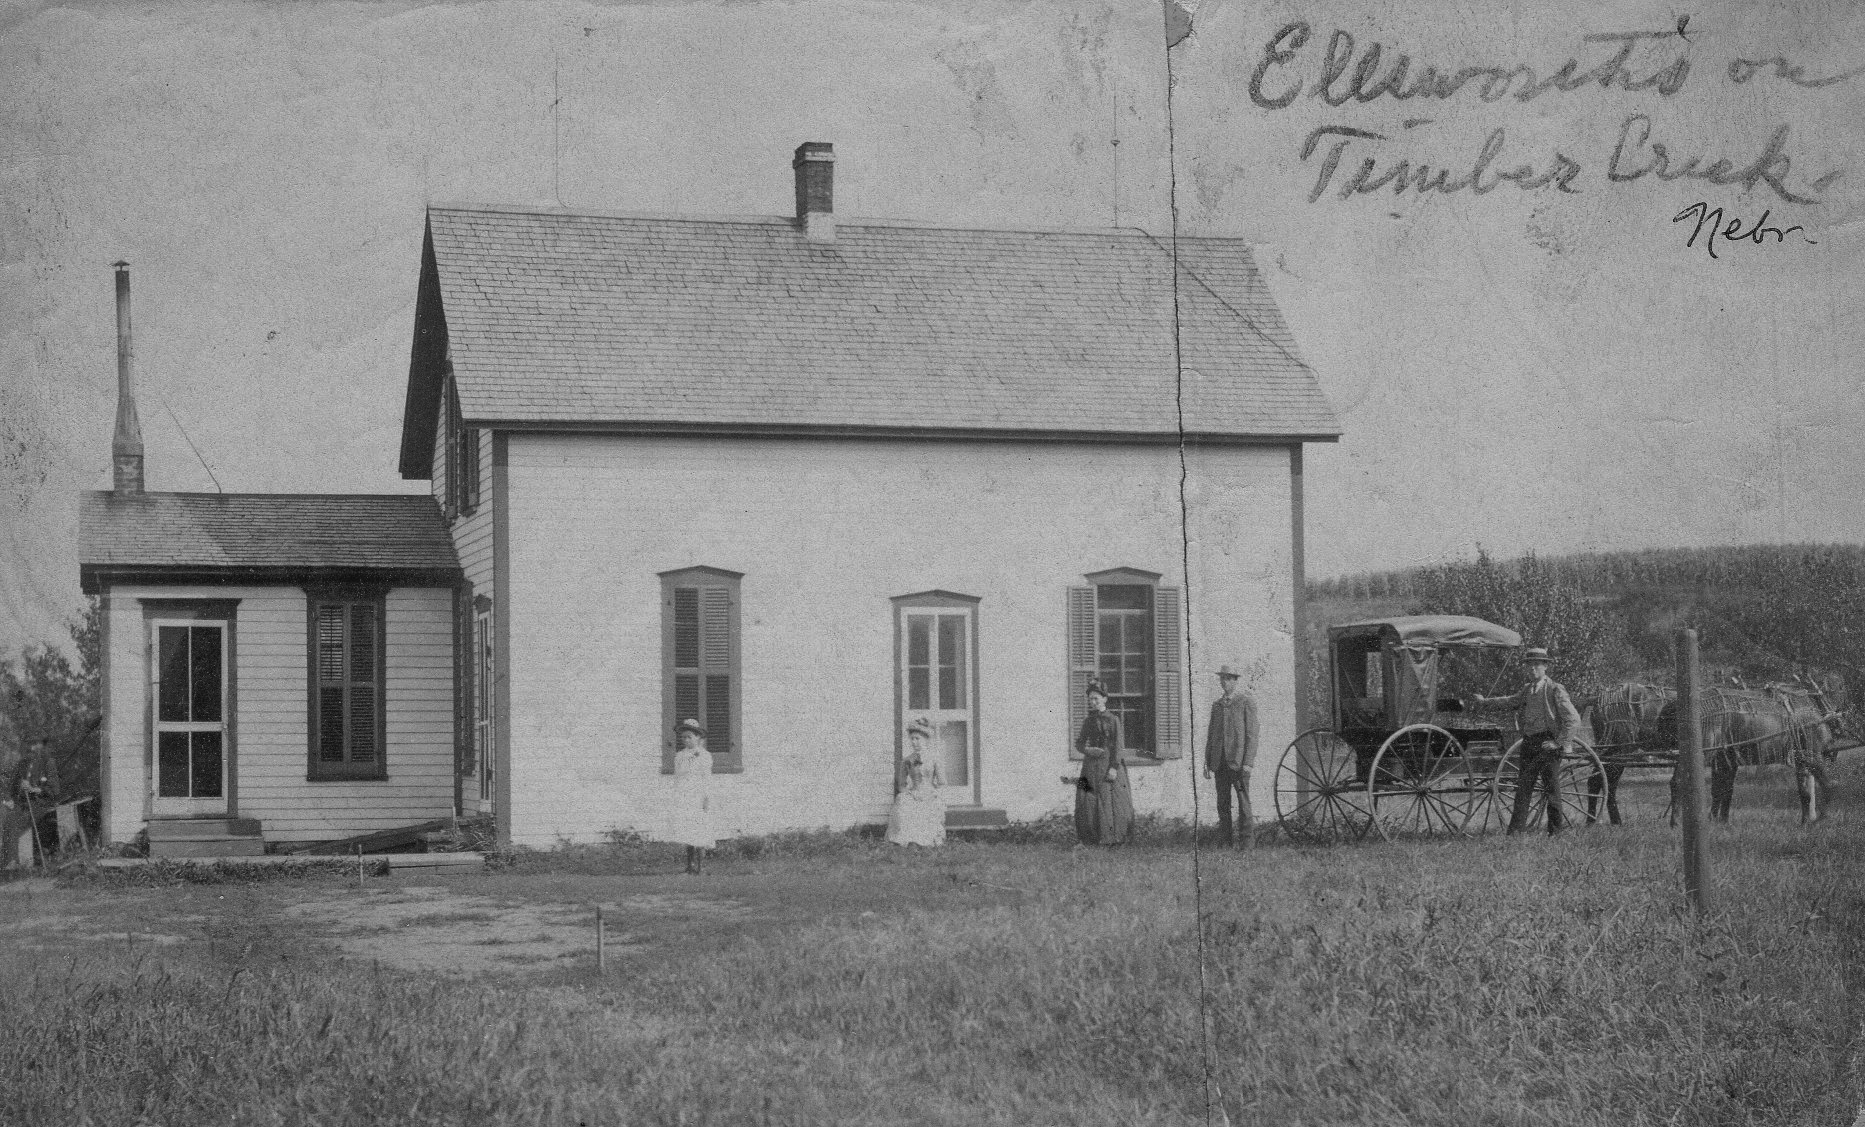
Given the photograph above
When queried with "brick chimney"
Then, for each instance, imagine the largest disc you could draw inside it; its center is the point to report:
(126, 447)
(815, 171)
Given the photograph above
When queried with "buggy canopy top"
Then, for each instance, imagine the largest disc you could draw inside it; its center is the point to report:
(1432, 631)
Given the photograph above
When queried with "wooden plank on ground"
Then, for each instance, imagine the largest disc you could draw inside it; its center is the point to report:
(374, 842)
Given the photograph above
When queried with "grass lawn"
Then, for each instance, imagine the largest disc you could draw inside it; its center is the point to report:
(830, 979)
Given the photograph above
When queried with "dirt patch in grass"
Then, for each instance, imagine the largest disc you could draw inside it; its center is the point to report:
(446, 931)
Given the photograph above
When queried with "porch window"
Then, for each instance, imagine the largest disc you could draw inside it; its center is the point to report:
(1124, 630)
(347, 710)
(700, 678)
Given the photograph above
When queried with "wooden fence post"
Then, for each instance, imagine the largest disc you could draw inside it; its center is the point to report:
(1690, 765)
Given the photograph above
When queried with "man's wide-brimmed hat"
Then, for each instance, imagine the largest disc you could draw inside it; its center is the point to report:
(921, 725)
(1536, 653)
(690, 726)
(1228, 670)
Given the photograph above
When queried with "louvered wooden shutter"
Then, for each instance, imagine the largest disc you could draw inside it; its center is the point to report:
(363, 701)
(716, 653)
(468, 470)
(330, 663)
(1168, 672)
(1081, 659)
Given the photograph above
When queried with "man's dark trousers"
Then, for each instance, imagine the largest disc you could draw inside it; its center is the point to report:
(1537, 768)
(1235, 783)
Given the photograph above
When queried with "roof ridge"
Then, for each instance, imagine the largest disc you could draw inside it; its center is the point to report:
(842, 222)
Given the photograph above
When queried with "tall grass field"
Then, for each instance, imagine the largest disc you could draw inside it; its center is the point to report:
(1490, 981)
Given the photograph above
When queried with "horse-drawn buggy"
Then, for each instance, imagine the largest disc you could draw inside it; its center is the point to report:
(1403, 755)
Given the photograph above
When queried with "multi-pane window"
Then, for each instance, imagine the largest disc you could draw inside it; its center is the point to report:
(700, 658)
(346, 687)
(1125, 632)
(190, 710)
(1124, 658)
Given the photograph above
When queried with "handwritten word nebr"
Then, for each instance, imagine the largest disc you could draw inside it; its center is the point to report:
(1341, 77)
(1711, 218)
(1636, 155)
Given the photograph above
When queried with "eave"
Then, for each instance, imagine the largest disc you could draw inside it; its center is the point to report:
(95, 579)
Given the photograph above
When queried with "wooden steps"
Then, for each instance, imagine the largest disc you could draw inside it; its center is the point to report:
(975, 818)
(205, 837)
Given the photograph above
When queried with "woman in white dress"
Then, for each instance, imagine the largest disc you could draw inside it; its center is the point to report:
(918, 816)
(689, 821)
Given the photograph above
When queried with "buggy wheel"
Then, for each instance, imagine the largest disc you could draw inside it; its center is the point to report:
(1319, 796)
(1422, 782)
(1580, 773)
(1487, 814)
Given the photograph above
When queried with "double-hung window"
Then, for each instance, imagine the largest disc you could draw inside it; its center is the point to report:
(700, 662)
(347, 707)
(1125, 631)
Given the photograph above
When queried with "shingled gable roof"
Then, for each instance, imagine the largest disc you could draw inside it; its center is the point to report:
(217, 536)
(744, 326)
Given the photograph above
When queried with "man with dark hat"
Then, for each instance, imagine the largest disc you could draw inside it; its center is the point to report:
(1230, 755)
(1550, 725)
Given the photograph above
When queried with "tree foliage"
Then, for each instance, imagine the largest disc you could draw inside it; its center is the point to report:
(47, 697)
(1532, 597)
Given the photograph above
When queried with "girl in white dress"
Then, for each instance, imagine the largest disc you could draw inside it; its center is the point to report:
(918, 816)
(689, 821)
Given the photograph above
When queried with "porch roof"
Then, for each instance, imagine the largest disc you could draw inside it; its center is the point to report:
(231, 535)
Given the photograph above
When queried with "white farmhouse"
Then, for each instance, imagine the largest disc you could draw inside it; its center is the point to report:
(808, 478)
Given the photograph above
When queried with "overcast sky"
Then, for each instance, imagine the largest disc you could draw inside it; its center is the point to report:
(1525, 367)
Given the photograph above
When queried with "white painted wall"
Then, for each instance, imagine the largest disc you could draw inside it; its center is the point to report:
(826, 533)
(271, 734)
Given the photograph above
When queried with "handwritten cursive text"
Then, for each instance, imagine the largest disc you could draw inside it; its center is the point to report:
(1341, 78)
(1711, 218)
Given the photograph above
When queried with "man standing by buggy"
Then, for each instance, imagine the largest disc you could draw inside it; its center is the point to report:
(1230, 755)
(1550, 725)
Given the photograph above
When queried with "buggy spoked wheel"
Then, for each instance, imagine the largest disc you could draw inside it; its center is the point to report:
(1581, 777)
(1319, 795)
(1422, 782)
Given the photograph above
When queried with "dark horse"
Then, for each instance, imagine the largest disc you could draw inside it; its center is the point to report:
(1753, 727)
(1626, 726)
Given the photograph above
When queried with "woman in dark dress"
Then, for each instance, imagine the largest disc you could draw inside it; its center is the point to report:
(1103, 796)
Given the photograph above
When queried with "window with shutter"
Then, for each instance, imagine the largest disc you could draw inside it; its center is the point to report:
(347, 714)
(700, 662)
(1126, 631)
(461, 489)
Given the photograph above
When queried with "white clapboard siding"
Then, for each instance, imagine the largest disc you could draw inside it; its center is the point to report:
(826, 535)
(271, 735)
(472, 541)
